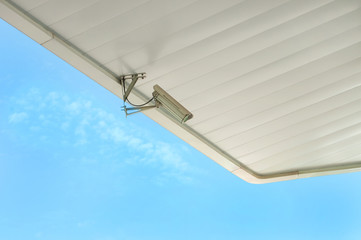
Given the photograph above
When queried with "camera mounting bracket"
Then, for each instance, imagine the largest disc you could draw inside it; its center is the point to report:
(134, 77)
(135, 109)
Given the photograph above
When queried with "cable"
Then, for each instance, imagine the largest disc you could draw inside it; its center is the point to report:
(135, 105)
(141, 105)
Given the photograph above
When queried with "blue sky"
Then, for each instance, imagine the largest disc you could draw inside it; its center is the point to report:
(72, 167)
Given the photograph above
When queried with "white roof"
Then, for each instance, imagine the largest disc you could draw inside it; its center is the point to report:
(274, 86)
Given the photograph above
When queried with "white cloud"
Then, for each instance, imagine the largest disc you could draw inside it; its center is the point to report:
(65, 125)
(116, 134)
(170, 156)
(85, 124)
(83, 224)
(17, 117)
(73, 107)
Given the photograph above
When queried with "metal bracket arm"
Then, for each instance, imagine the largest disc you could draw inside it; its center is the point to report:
(135, 110)
(134, 78)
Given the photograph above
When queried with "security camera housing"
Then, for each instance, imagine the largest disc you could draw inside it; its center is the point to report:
(163, 99)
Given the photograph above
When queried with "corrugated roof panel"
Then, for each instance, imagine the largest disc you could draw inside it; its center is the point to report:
(89, 17)
(53, 11)
(302, 48)
(27, 5)
(154, 33)
(229, 45)
(338, 62)
(126, 23)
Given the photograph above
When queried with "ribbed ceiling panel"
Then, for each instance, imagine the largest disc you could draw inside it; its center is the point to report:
(276, 85)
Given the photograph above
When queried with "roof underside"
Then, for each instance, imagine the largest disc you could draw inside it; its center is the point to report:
(274, 86)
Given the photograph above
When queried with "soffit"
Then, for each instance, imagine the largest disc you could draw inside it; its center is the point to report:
(274, 86)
